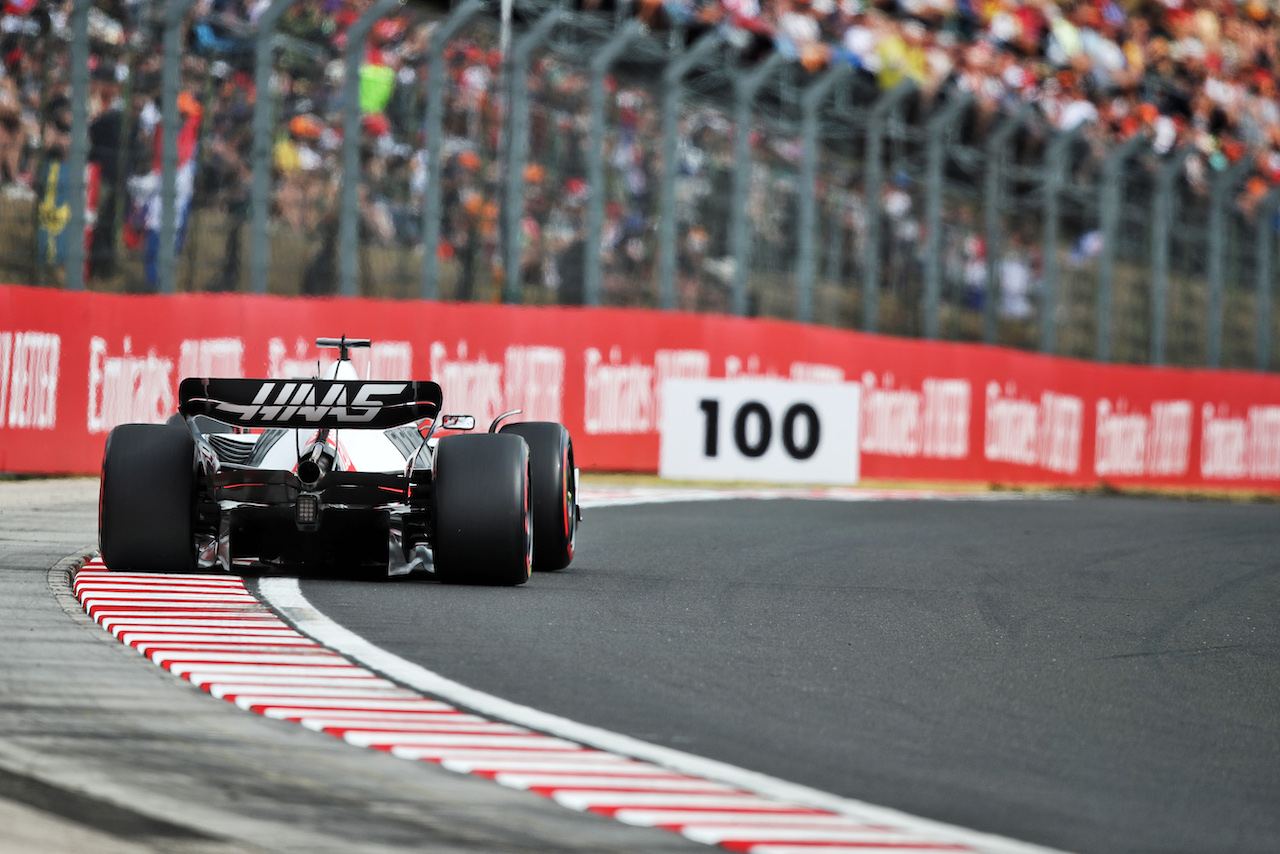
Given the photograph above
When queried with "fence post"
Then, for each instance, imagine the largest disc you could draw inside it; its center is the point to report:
(672, 77)
(814, 94)
(518, 144)
(174, 12)
(1110, 198)
(348, 215)
(940, 127)
(1056, 162)
(874, 172)
(1219, 199)
(600, 63)
(993, 192)
(1161, 225)
(77, 154)
(263, 107)
(436, 93)
(745, 88)
(1266, 228)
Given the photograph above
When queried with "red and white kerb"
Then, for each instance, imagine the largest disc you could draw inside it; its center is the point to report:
(210, 630)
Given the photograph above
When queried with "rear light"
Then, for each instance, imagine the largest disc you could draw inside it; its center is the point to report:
(306, 512)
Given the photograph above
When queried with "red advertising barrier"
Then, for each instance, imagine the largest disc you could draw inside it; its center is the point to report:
(73, 365)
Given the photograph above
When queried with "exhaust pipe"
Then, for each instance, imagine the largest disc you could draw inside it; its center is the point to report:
(313, 467)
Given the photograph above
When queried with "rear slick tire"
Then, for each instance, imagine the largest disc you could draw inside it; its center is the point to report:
(552, 488)
(146, 500)
(483, 525)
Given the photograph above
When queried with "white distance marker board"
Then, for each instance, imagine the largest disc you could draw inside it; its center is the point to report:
(772, 431)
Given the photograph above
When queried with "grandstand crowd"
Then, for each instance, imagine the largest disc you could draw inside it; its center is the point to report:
(1198, 73)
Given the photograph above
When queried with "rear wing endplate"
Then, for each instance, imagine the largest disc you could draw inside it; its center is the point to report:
(367, 404)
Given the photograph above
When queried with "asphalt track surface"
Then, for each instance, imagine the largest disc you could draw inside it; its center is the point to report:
(1096, 674)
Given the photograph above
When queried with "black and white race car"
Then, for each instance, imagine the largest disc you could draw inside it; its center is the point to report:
(336, 473)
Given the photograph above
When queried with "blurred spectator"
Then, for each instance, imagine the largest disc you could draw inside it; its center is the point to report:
(1175, 72)
(110, 150)
(143, 228)
(13, 133)
(1016, 279)
(297, 164)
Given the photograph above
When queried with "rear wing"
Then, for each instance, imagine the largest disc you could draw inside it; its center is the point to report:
(373, 405)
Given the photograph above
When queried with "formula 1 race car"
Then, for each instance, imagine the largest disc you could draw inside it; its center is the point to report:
(336, 473)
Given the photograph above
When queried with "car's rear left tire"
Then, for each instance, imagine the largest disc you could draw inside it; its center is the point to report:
(483, 531)
(553, 491)
(146, 500)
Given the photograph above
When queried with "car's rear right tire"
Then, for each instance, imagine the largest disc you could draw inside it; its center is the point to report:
(146, 499)
(552, 488)
(483, 531)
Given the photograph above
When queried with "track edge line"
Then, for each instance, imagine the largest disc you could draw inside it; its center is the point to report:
(285, 596)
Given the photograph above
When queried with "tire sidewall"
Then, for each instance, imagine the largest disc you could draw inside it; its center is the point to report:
(553, 490)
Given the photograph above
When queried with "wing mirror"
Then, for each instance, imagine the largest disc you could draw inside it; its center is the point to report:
(457, 422)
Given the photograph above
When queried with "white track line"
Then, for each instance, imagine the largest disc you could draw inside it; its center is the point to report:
(765, 793)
